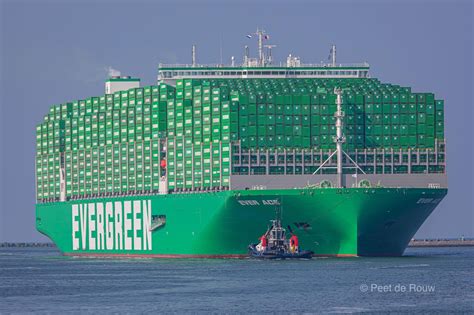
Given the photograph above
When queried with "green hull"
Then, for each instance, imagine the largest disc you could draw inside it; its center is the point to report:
(330, 222)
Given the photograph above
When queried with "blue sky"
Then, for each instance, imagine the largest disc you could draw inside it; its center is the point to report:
(57, 51)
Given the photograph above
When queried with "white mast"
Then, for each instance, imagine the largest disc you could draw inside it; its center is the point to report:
(246, 56)
(260, 47)
(333, 55)
(194, 55)
(261, 57)
(340, 139)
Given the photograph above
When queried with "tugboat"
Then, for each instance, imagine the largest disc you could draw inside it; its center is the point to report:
(274, 244)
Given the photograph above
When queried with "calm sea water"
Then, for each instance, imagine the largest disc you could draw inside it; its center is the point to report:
(426, 280)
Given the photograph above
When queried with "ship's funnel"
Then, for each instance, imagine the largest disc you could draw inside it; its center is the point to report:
(120, 83)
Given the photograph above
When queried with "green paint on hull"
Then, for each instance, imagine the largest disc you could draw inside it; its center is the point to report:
(364, 222)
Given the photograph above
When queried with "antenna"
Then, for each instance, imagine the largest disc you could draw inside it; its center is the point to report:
(269, 57)
(261, 35)
(194, 55)
(246, 56)
(260, 48)
(333, 55)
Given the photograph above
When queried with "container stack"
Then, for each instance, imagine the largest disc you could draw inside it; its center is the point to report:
(107, 145)
(124, 143)
(198, 148)
(299, 113)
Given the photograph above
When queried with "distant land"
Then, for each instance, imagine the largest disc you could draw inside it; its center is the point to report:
(441, 242)
(12, 244)
(413, 243)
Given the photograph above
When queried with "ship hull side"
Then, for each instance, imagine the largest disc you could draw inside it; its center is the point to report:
(330, 222)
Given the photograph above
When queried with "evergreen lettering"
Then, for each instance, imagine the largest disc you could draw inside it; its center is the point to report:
(112, 226)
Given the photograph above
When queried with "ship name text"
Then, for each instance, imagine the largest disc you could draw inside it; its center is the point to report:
(112, 225)
(270, 202)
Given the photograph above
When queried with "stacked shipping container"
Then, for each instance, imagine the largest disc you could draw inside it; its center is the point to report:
(198, 148)
(107, 145)
(115, 143)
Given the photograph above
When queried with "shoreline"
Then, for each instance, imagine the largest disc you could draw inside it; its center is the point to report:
(440, 243)
(25, 244)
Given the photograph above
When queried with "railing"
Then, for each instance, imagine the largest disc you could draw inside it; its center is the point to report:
(281, 65)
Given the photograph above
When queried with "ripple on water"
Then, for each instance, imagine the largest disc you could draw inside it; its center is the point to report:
(40, 280)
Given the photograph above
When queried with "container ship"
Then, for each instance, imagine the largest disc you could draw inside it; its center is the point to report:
(195, 165)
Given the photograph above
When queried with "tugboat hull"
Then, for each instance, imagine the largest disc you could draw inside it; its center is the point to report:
(269, 254)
